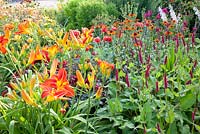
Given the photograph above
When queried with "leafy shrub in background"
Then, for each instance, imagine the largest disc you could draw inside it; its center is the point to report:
(80, 13)
(142, 4)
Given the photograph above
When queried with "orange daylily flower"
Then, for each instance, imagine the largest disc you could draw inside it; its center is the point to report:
(9, 26)
(23, 28)
(56, 87)
(3, 42)
(105, 67)
(53, 50)
(37, 55)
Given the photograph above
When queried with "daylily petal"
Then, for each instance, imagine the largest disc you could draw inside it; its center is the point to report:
(53, 67)
(62, 74)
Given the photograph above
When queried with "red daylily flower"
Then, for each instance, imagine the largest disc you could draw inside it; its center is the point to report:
(57, 87)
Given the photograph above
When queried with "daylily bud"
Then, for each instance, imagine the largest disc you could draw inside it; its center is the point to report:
(99, 93)
(63, 111)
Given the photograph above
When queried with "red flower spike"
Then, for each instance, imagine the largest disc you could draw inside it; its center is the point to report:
(193, 38)
(117, 75)
(183, 40)
(191, 74)
(193, 114)
(140, 56)
(147, 71)
(158, 128)
(127, 80)
(165, 60)
(165, 81)
(157, 87)
(195, 64)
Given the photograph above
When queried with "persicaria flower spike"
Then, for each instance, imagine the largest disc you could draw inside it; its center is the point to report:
(165, 81)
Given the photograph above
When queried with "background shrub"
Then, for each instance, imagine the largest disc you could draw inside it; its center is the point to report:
(80, 13)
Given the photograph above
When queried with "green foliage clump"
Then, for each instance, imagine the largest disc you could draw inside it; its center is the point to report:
(80, 13)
